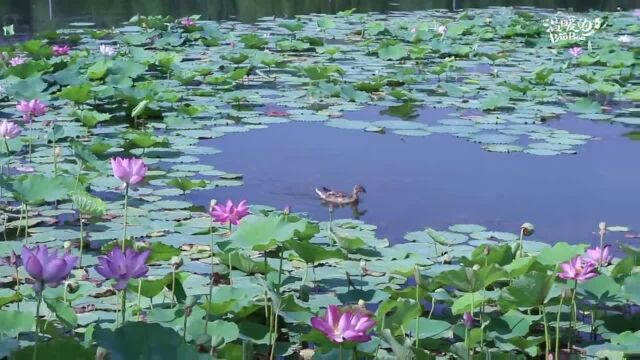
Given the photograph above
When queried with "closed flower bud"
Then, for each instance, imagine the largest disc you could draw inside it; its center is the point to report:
(287, 210)
(57, 151)
(527, 229)
(602, 226)
(487, 250)
(212, 204)
(176, 262)
(67, 245)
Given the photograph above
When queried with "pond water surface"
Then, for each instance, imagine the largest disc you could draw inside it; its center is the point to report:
(437, 181)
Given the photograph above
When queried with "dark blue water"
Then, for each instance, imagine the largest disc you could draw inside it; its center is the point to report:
(438, 180)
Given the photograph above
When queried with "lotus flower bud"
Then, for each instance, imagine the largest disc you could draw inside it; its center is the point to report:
(287, 210)
(176, 262)
(15, 259)
(467, 319)
(67, 245)
(363, 266)
(361, 303)
(487, 250)
(602, 226)
(212, 204)
(57, 151)
(527, 229)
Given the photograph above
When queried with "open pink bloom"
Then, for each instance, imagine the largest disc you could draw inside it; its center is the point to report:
(130, 171)
(47, 267)
(121, 266)
(17, 60)
(31, 109)
(341, 326)
(59, 50)
(188, 22)
(9, 130)
(576, 51)
(578, 269)
(230, 213)
(599, 256)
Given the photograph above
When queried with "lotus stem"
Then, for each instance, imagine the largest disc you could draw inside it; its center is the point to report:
(117, 309)
(280, 269)
(557, 352)
(275, 335)
(266, 302)
(206, 323)
(26, 223)
(124, 219)
(35, 345)
(124, 305)
(53, 144)
(230, 269)
(139, 292)
(184, 324)
(433, 305)
(521, 249)
(30, 138)
(546, 332)
(417, 275)
(173, 287)
(81, 239)
(573, 320)
(602, 232)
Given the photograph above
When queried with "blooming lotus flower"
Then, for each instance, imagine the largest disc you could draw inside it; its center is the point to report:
(341, 326)
(467, 319)
(31, 109)
(188, 22)
(9, 130)
(229, 213)
(442, 30)
(578, 269)
(576, 51)
(59, 50)
(45, 267)
(598, 256)
(625, 39)
(130, 171)
(121, 266)
(107, 50)
(17, 60)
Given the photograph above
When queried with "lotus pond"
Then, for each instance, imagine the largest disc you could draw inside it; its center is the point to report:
(157, 188)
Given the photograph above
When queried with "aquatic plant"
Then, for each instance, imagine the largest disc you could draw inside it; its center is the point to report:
(344, 325)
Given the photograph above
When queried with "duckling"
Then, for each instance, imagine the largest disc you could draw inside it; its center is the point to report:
(340, 198)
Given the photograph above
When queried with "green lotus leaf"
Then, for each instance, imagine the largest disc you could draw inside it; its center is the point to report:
(528, 291)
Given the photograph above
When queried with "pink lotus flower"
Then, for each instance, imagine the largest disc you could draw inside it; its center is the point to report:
(229, 213)
(341, 326)
(17, 60)
(578, 269)
(188, 22)
(130, 171)
(598, 256)
(47, 267)
(9, 130)
(25, 169)
(576, 51)
(442, 30)
(636, 12)
(413, 30)
(31, 109)
(60, 50)
(121, 266)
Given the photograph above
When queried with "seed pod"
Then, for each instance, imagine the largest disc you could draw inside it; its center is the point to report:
(67, 245)
(176, 262)
(602, 226)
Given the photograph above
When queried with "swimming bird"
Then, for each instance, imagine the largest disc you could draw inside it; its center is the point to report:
(340, 198)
